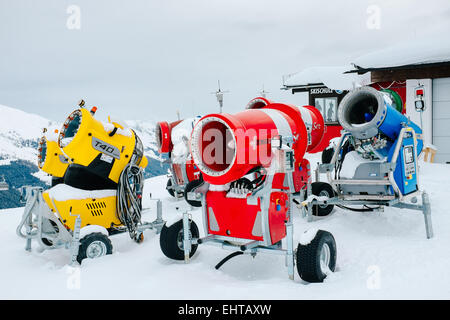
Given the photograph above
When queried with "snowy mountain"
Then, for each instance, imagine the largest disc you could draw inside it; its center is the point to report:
(19, 135)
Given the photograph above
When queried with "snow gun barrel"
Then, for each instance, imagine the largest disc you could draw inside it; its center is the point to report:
(100, 150)
(226, 147)
(164, 135)
(50, 158)
(367, 113)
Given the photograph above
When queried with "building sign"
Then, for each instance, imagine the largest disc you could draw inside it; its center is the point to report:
(321, 90)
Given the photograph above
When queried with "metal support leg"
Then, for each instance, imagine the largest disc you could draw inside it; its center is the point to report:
(75, 244)
(28, 228)
(159, 222)
(308, 194)
(290, 249)
(316, 172)
(186, 237)
(427, 215)
(32, 204)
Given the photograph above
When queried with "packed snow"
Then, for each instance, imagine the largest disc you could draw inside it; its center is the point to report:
(381, 255)
(307, 236)
(63, 192)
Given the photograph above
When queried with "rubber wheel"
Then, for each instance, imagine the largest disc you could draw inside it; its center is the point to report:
(169, 188)
(322, 189)
(327, 155)
(171, 240)
(94, 245)
(189, 187)
(49, 242)
(317, 258)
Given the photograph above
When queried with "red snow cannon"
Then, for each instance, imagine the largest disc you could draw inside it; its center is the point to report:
(163, 135)
(253, 170)
(225, 147)
(184, 174)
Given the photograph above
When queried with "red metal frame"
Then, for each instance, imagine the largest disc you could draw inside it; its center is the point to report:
(236, 217)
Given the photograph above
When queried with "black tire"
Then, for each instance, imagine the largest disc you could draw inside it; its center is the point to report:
(169, 188)
(49, 242)
(327, 155)
(171, 240)
(309, 264)
(189, 187)
(88, 240)
(322, 189)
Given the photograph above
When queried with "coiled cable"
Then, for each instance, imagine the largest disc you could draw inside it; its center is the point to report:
(129, 198)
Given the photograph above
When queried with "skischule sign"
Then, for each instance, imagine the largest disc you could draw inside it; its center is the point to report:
(321, 91)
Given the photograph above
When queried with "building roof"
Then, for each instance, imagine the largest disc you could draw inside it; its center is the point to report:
(420, 52)
(427, 50)
(332, 77)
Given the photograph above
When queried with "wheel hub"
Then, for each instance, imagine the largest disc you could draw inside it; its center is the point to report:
(180, 239)
(324, 193)
(96, 249)
(325, 256)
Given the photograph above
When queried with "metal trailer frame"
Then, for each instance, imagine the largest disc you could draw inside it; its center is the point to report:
(244, 245)
(397, 200)
(178, 189)
(39, 223)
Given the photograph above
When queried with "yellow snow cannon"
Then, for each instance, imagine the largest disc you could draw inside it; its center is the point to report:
(101, 194)
(50, 157)
(98, 151)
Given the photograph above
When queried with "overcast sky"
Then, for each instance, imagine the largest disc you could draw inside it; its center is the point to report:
(146, 59)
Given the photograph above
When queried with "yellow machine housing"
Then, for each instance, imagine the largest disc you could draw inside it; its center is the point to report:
(50, 158)
(104, 149)
(99, 211)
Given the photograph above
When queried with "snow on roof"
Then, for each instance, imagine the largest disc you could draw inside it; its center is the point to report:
(421, 51)
(332, 77)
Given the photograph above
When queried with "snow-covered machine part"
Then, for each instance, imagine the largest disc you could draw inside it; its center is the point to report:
(173, 139)
(374, 164)
(248, 190)
(102, 189)
(180, 136)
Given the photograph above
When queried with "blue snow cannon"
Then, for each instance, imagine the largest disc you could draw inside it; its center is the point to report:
(366, 113)
(374, 164)
(376, 127)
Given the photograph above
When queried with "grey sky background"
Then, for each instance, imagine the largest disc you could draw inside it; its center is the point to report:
(144, 60)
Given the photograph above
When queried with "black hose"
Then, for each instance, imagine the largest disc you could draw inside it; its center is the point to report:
(234, 254)
(129, 198)
(366, 209)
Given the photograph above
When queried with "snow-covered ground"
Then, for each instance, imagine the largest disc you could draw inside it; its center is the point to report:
(380, 256)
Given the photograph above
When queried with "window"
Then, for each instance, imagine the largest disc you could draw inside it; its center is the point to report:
(328, 108)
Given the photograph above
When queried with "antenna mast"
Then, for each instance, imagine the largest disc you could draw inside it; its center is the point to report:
(219, 95)
(263, 92)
